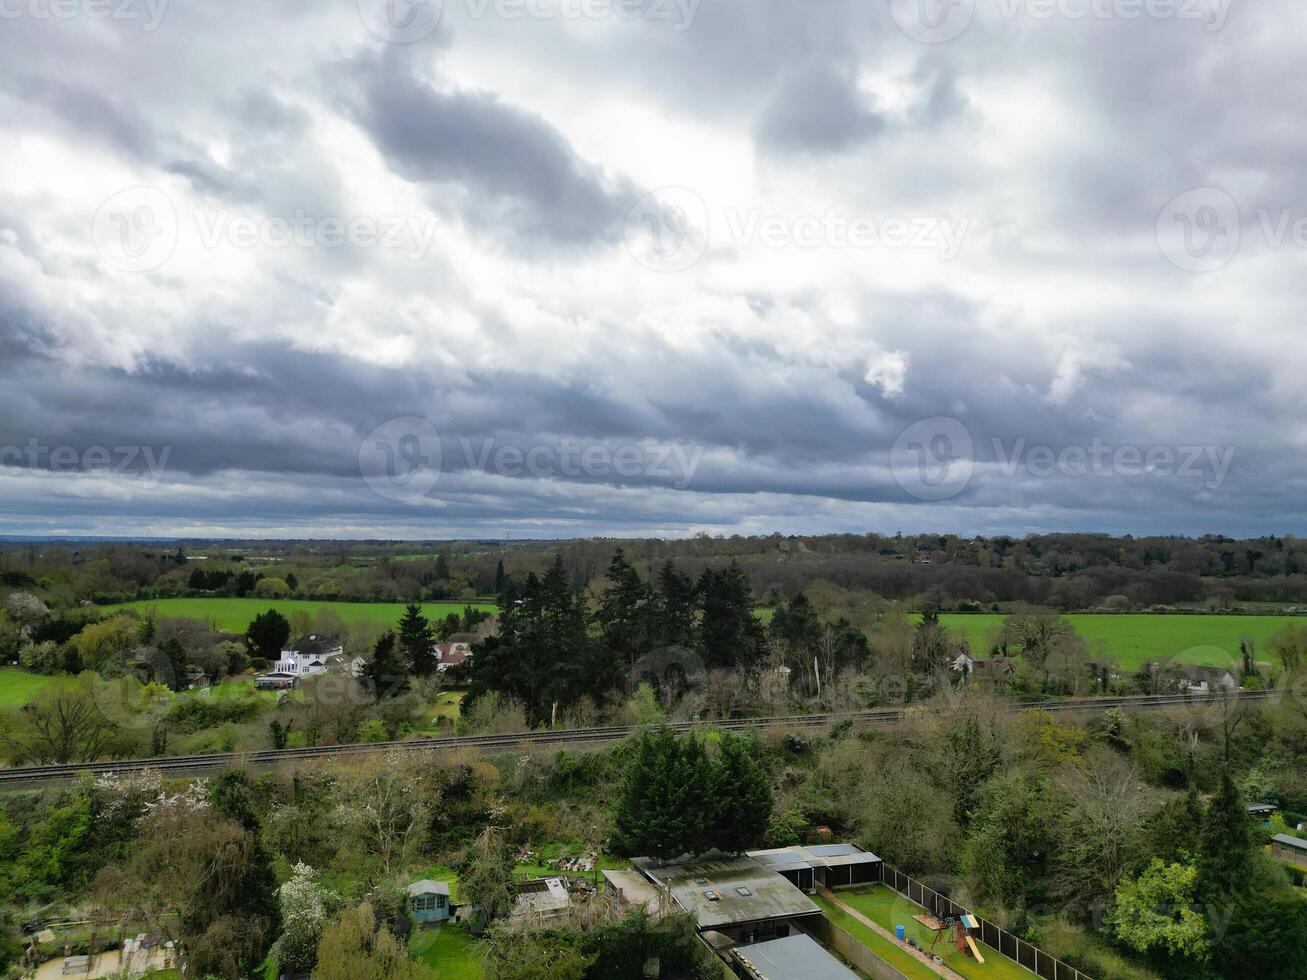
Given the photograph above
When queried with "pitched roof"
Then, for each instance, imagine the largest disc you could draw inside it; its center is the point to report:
(313, 646)
(1295, 842)
(428, 887)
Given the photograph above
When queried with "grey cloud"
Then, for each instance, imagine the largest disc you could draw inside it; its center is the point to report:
(819, 109)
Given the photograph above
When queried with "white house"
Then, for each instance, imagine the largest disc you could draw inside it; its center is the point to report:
(451, 653)
(309, 655)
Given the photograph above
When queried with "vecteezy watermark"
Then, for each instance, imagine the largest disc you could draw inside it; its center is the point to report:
(934, 459)
(402, 459)
(135, 462)
(407, 21)
(1201, 230)
(940, 21)
(147, 13)
(669, 230)
(138, 229)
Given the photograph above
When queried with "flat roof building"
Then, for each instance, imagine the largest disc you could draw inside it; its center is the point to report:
(815, 865)
(796, 957)
(736, 896)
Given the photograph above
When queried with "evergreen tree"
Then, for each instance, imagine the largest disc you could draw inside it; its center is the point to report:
(729, 634)
(501, 580)
(624, 611)
(267, 635)
(416, 641)
(486, 879)
(796, 623)
(384, 675)
(741, 798)
(673, 609)
(650, 819)
(1225, 851)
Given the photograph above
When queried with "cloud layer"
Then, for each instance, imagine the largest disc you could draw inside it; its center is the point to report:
(563, 269)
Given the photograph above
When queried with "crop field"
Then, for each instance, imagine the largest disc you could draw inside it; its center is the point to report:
(234, 615)
(1135, 639)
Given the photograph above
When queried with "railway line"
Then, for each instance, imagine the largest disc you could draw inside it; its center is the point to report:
(29, 776)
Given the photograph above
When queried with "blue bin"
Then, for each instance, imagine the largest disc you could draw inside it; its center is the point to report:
(900, 933)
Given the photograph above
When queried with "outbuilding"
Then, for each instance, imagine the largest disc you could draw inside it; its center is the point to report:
(1291, 849)
(429, 901)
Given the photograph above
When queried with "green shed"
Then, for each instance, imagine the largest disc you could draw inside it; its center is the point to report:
(429, 901)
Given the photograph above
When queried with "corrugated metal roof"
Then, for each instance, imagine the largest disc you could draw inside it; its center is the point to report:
(793, 958)
(1296, 842)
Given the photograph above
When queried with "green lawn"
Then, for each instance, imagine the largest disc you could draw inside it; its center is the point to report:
(17, 687)
(906, 964)
(1133, 639)
(449, 950)
(234, 615)
(888, 909)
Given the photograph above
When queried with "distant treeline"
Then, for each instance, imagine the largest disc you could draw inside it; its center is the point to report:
(1066, 571)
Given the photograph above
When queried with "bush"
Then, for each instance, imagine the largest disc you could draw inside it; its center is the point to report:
(196, 714)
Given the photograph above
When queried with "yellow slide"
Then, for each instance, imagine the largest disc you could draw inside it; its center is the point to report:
(975, 950)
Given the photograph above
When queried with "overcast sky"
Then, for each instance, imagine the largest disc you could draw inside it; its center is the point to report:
(353, 268)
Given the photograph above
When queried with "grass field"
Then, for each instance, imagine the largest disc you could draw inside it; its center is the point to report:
(887, 909)
(1134, 639)
(235, 615)
(909, 966)
(17, 687)
(449, 950)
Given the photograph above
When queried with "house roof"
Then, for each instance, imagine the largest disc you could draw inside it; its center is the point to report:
(796, 957)
(729, 891)
(1262, 808)
(313, 645)
(428, 887)
(634, 889)
(543, 895)
(1297, 843)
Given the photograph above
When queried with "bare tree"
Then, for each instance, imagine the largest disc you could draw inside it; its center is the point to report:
(63, 725)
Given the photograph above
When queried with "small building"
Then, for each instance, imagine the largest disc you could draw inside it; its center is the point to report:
(1262, 811)
(633, 890)
(309, 655)
(737, 897)
(275, 681)
(542, 900)
(1205, 680)
(1291, 849)
(429, 901)
(797, 957)
(821, 865)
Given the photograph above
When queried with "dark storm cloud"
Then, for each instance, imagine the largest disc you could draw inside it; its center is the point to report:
(503, 167)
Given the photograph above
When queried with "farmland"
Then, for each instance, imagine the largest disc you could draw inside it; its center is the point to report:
(1134, 639)
(234, 615)
(17, 687)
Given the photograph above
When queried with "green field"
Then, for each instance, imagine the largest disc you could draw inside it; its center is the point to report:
(1134, 639)
(17, 687)
(888, 909)
(909, 966)
(235, 615)
(449, 950)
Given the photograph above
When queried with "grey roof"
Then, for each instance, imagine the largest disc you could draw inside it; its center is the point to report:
(313, 646)
(1294, 842)
(813, 856)
(729, 891)
(796, 957)
(1261, 807)
(428, 887)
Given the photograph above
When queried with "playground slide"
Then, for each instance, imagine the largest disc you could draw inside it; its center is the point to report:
(975, 950)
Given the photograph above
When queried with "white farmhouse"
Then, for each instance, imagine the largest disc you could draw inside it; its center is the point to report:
(309, 655)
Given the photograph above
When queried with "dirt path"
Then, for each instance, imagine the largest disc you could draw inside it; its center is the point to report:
(930, 964)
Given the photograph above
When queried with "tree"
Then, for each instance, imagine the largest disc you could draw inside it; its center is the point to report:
(797, 624)
(100, 643)
(384, 673)
(651, 819)
(1155, 913)
(624, 610)
(197, 879)
(673, 609)
(728, 634)
(486, 879)
(357, 947)
(501, 580)
(741, 799)
(1290, 647)
(384, 812)
(304, 915)
(1225, 850)
(512, 954)
(268, 634)
(416, 640)
(63, 724)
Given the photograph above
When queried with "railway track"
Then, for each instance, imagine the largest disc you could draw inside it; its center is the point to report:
(36, 775)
